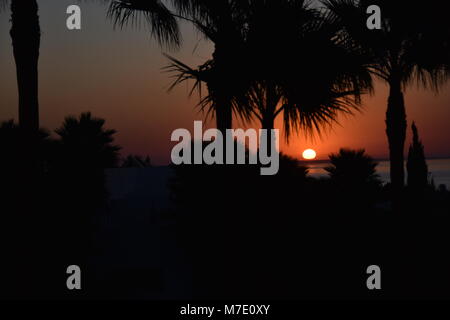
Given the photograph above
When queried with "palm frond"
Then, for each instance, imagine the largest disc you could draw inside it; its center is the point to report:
(412, 45)
(152, 13)
(207, 75)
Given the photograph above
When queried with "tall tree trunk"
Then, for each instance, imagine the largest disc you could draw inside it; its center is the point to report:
(268, 124)
(30, 228)
(220, 87)
(224, 114)
(268, 113)
(396, 133)
(25, 35)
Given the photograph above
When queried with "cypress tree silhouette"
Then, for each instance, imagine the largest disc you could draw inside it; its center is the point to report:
(417, 165)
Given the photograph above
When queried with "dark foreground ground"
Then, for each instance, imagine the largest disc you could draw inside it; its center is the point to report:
(164, 234)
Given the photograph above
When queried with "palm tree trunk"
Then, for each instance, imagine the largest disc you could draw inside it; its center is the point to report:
(268, 116)
(268, 124)
(224, 112)
(224, 115)
(25, 35)
(396, 133)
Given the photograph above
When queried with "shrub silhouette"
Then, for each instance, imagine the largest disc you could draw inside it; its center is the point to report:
(353, 168)
(353, 175)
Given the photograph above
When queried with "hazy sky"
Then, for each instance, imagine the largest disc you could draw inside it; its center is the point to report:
(116, 74)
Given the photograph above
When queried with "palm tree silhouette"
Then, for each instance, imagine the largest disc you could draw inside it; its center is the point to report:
(310, 91)
(87, 143)
(412, 45)
(281, 69)
(353, 168)
(221, 22)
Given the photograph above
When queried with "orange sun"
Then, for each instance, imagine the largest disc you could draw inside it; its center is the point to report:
(309, 154)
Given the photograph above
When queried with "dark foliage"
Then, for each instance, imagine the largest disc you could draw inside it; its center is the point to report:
(52, 190)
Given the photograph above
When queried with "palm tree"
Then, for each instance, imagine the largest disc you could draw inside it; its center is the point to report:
(85, 148)
(353, 168)
(412, 46)
(86, 142)
(221, 22)
(282, 70)
(209, 74)
(310, 91)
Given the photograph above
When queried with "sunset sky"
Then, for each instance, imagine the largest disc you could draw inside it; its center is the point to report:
(116, 74)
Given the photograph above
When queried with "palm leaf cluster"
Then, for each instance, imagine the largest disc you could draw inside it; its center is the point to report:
(268, 60)
(310, 73)
(86, 141)
(154, 14)
(353, 168)
(411, 46)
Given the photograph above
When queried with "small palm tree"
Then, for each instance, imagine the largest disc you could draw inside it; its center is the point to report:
(412, 45)
(353, 168)
(85, 149)
(87, 143)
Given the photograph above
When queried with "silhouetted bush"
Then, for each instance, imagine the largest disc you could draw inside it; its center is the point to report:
(353, 174)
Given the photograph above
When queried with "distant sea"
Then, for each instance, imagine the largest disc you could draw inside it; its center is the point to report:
(439, 170)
